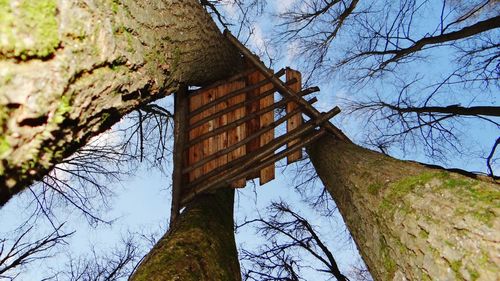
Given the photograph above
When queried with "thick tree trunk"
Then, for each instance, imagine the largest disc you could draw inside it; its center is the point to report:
(200, 246)
(70, 69)
(411, 222)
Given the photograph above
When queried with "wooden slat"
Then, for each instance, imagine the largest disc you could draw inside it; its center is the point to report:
(248, 101)
(236, 93)
(267, 173)
(247, 139)
(195, 152)
(221, 139)
(237, 134)
(237, 76)
(210, 144)
(296, 120)
(253, 125)
(267, 150)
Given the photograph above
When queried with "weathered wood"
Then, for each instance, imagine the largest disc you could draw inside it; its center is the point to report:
(195, 151)
(270, 147)
(276, 157)
(284, 90)
(244, 141)
(266, 174)
(296, 120)
(209, 143)
(253, 112)
(244, 103)
(238, 133)
(249, 116)
(221, 139)
(233, 94)
(229, 80)
(180, 124)
(246, 170)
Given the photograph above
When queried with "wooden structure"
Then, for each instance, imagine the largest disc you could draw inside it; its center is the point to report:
(226, 133)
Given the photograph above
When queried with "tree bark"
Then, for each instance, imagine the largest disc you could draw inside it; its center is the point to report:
(200, 246)
(411, 222)
(71, 69)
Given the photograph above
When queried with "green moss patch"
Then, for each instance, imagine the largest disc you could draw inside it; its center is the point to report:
(28, 29)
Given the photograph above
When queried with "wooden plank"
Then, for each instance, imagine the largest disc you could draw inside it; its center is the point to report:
(237, 134)
(267, 173)
(296, 120)
(226, 81)
(221, 139)
(253, 124)
(195, 152)
(237, 93)
(247, 139)
(210, 144)
(266, 151)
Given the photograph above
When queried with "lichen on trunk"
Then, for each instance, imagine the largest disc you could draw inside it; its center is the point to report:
(409, 221)
(70, 69)
(200, 246)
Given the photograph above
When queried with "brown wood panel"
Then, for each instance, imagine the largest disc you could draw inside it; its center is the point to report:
(253, 125)
(267, 173)
(237, 134)
(295, 120)
(221, 139)
(210, 144)
(195, 152)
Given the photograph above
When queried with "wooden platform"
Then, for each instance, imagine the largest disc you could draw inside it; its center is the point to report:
(237, 129)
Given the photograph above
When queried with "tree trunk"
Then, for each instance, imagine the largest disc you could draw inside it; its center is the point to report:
(200, 246)
(411, 222)
(70, 69)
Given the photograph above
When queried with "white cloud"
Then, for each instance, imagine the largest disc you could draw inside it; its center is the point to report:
(230, 9)
(284, 5)
(257, 38)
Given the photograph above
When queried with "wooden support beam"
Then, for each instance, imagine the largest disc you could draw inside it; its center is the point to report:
(244, 171)
(180, 133)
(234, 93)
(284, 90)
(275, 157)
(234, 146)
(270, 147)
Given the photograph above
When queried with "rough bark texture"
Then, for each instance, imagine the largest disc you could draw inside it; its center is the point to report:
(411, 222)
(70, 69)
(200, 246)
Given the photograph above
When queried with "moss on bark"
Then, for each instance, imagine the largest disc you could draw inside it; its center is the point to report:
(200, 246)
(71, 69)
(410, 221)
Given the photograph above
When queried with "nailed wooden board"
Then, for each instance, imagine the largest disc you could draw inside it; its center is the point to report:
(221, 139)
(267, 173)
(237, 134)
(295, 120)
(209, 145)
(195, 152)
